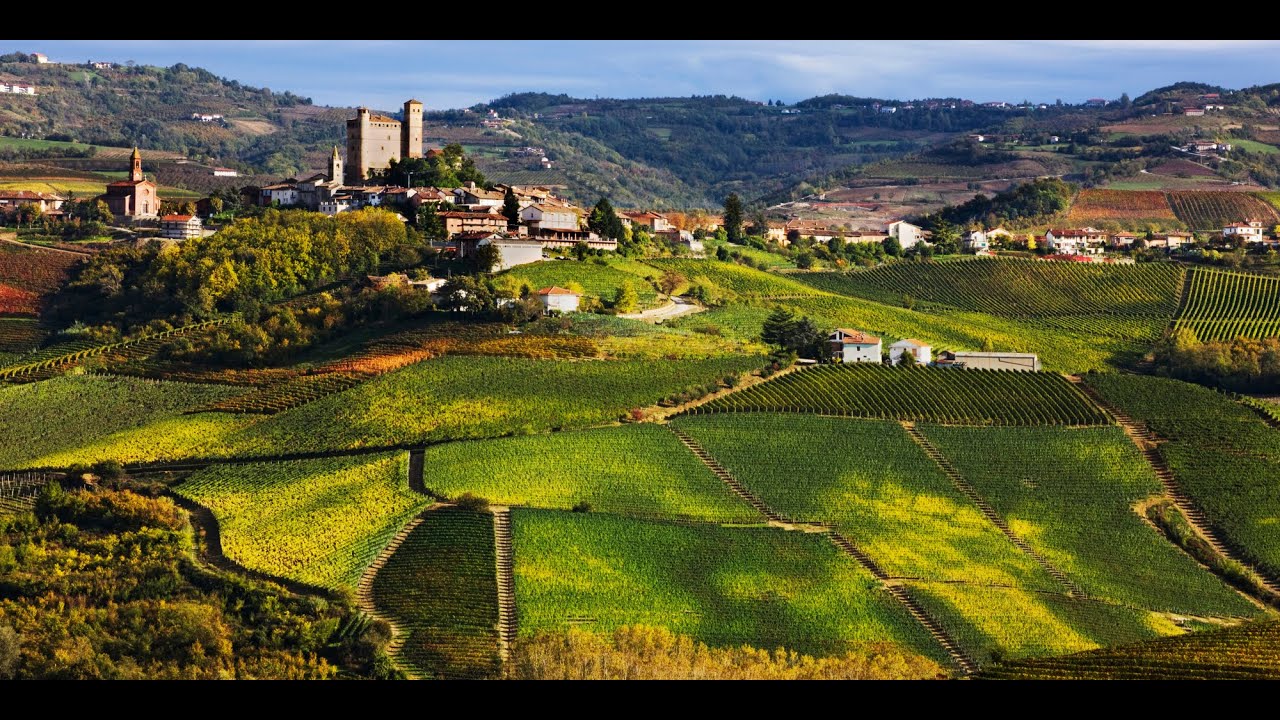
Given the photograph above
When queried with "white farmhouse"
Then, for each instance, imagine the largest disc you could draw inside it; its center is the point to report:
(922, 353)
(1075, 241)
(907, 234)
(181, 227)
(1250, 231)
(977, 240)
(543, 216)
(511, 251)
(557, 299)
(852, 346)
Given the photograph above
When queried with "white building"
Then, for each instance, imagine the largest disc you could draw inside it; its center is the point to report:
(334, 206)
(907, 234)
(921, 352)
(511, 251)
(17, 88)
(557, 299)
(1026, 362)
(1170, 240)
(542, 216)
(1251, 231)
(852, 346)
(283, 193)
(1076, 241)
(181, 227)
(225, 172)
(977, 240)
(41, 58)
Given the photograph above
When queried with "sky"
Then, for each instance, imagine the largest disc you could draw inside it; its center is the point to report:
(443, 74)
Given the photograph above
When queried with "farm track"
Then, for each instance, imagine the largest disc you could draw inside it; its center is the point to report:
(894, 588)
(664, 414)
(957, 480)
(1148, 443)
(10, 239)
(507, 618)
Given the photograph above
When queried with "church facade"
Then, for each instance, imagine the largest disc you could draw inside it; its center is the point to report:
(135, 198)
(373, 141)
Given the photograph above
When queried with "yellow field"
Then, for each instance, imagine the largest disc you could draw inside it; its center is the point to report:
(80, 188)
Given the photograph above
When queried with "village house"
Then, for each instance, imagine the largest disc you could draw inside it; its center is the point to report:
(200, 117)
(1023, 362)
(460, 221)
(1250, 231)
(976, 240)
(908, 235)
(225, 172)
(852, 346)
(1170, 240)
(97, 65)
(922, 352)
(424, 195)
(11, 199)
(284, 193)
(41, 58)
(181, 227)
(335, 205)
(1123, 239)
(777, 232)
(1075, 241)
(477, 198)
(512, 251)
(545, 216)
(558, 300)
(810, 229)
(864, 236)
(651, 221)
(1203, 146)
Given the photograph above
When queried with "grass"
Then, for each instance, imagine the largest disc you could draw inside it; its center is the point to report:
(949, 396)
(601, 281)
(56, 416)
(441, 588)
(877, 487)
(1070, 495)
(640, 470)
(319, 522)
(1255, 146)
(722, 586)
(730, 280)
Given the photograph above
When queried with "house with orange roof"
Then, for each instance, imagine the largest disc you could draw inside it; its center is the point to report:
(922, 352)
(559, 300)
(851, 346)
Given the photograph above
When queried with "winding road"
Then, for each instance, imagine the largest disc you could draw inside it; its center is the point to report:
(677, 307)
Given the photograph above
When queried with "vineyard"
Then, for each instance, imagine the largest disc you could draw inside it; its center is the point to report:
(1222, 306)
(1070, 495)
(1211, 211)
(1131, 208)
(638, 469)
(721, 585)
(875, 485)
(19, 335)
(65, 413)
(16, 301)
(1015, 623)
(440, 589)
(723, 279)
(1223, 455)
(36, 271)
(946, 396)
(599, 280)
(319, 522)
(1015, 288)
(1247, 652)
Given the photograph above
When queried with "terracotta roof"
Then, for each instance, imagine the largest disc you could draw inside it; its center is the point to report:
(1075, 232)
(177, 218)
(472, 215)
(126, 183)
(553, 290)
(474, 235)
(857, 337)
(912, 342)
(26, 195)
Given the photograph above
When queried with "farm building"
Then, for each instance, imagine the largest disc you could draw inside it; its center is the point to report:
(1123, 239)
(458, 221)
(906, 233)
(1251, 231)
(654, 222)
(1170, 240)
(557, 299)
(922, 353)
(1075, 241)
(11, 199)
(181, 227)
(511, 251)
(545, 216)
(1024, 362)
(853, 346)
(225, 172)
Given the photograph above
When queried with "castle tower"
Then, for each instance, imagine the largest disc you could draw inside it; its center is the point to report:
(411, 130)
(135, 173)
(335, 167)
(356, 130)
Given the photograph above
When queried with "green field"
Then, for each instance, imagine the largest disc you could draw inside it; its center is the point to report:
(34, 144)
(758, 256)
(319, 522)
(599, 280)
(1070, 495)
(948, 396)
(55, 417)
(723, 586)
(1247, 652)
(877, 487)
(730, 280)
(1222, 305)
(449, 398)
(1255, 146)
(993, 622)
(638, 469)
(440, 587)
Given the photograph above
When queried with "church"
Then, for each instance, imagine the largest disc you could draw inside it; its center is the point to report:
(373, 141)
(134, 198)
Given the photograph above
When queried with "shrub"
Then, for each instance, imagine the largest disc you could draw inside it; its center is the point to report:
(474, 503)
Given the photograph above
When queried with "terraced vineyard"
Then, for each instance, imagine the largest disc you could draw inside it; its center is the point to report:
(1070, 495)
(319, 522)
(440, 589)
(1247, 652)
(723, 586)
(1221, 305)
(65, 413)
(1016, 288)
(1223, 455)
(1132, 208)
(34, 270)
(1211, 211)
(946, 396)
(639, 470)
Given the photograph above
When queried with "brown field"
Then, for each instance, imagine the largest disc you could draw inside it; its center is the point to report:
(1162, 124)
(1181, 167)
(1095, 206)
(253, 127)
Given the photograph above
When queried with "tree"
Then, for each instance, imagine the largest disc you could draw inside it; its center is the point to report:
(988, 345)
(669, 281)
(511, 209)
(801, 335)
(29, 213)
(906, 359)
(804, 260)
(488, 256)
(604, 220)
(892, 246)
(759, 223)
(722, 253)
(430, 223)
(733, 218)
(626, 299)
(777, 326)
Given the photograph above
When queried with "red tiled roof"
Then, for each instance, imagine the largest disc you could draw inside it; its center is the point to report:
(857, 337)
(553, 290)
(177, 218)
(472, 215)
(912, 342)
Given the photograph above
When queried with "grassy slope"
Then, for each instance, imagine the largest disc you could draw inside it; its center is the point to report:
(637, 469)
(601, 281)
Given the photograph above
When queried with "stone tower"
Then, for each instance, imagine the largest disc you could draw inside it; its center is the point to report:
(135, 171)
(411, 130)
(335, 167)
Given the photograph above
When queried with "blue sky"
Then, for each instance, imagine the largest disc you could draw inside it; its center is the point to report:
(452, 74)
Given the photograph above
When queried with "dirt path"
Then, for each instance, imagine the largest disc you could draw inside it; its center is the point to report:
(11, 239)
(506, 581)
(677, 307)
